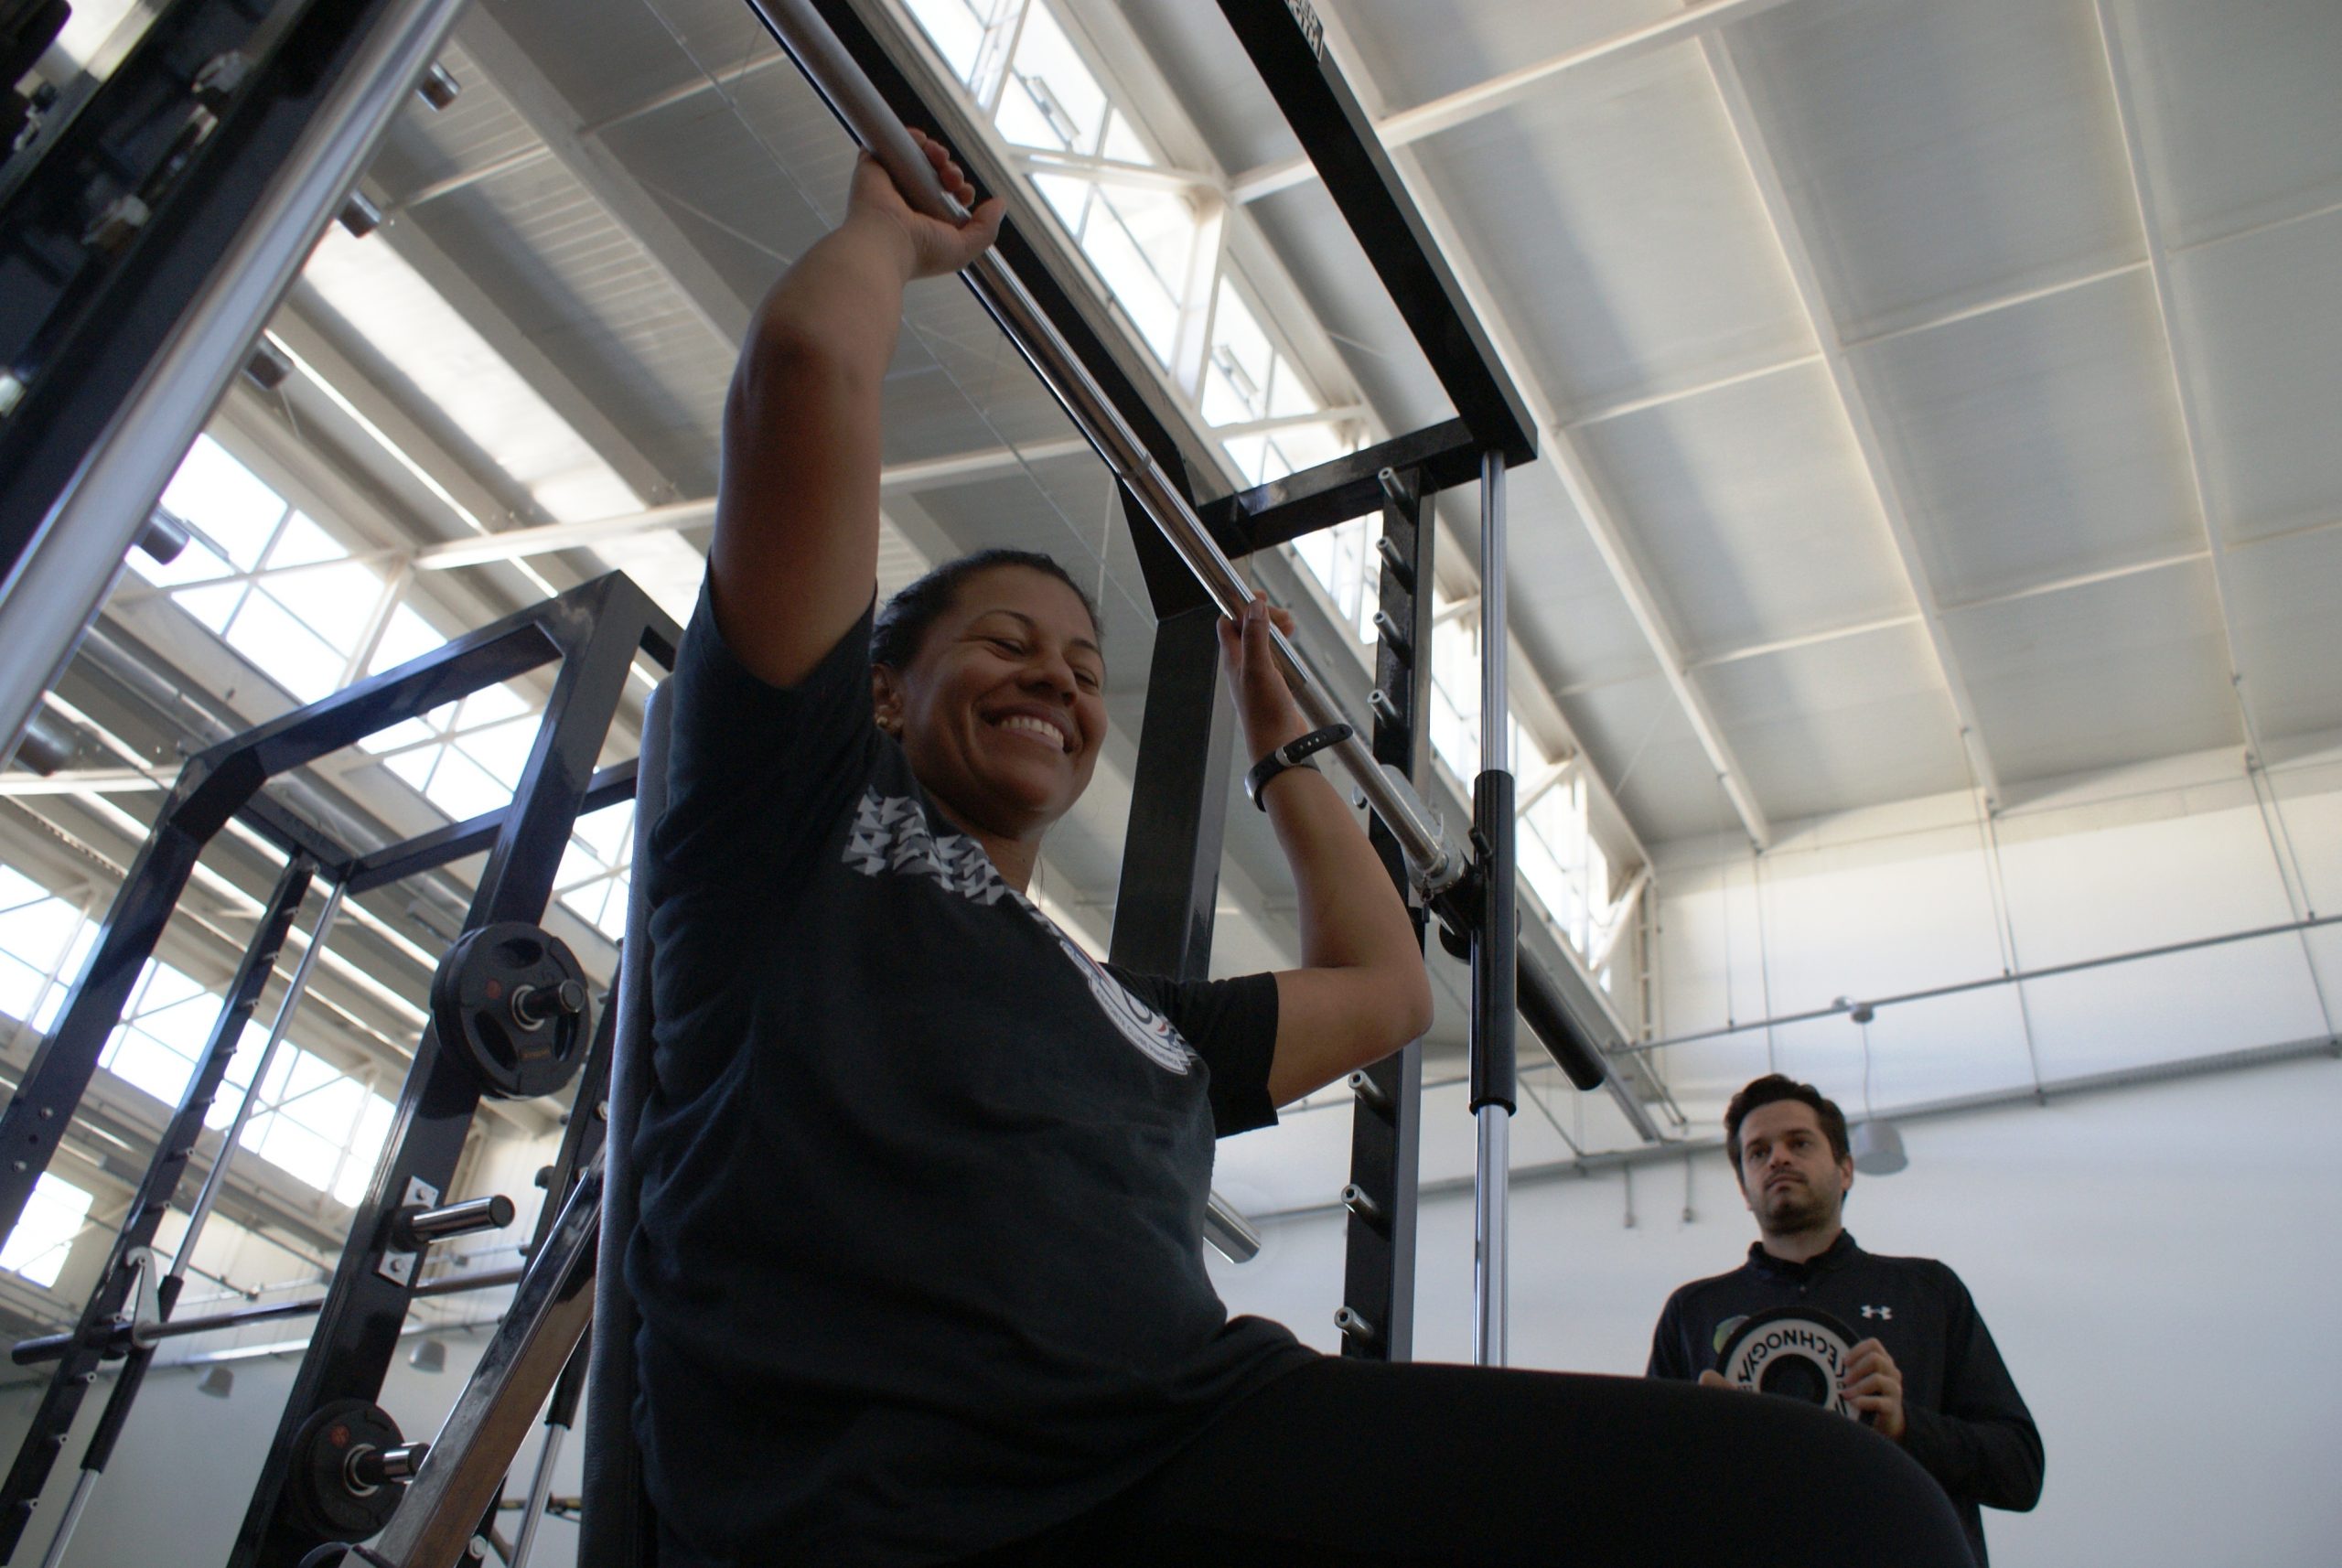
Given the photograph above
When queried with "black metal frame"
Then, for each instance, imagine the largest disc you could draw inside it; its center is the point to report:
(1378, 1315)
(595, 631)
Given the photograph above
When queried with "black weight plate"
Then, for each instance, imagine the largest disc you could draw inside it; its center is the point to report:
(473, 998)
(319, 1488)
(1798, 1352)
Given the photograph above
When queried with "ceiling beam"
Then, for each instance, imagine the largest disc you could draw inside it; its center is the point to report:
(1560, 446)
(2176, 352)
(563, 131)
(1806, 275)
(895, 478)
(1485, 97)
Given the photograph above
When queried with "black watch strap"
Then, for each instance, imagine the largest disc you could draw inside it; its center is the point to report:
(1292, 754)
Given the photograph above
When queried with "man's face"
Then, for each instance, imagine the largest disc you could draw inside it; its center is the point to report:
(1788, 1176)
(1002, 710)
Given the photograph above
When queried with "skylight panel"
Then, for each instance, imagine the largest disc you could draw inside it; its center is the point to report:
(315, 1121)
(164, 1029)
(196, 562)
(227, 500)
(44, 1237)
(593, 879)
(957, 30)
(40, 936)
(366, 1141)
(287, 651)
(333, 601)
(1053, 99)
(301, 543)
(406, 635)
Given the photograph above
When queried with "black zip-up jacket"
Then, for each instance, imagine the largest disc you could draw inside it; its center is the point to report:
(1967, 1425)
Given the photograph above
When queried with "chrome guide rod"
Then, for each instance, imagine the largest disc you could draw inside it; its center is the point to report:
(1493, 950)
(66, 571)
(217, 1178)
(840, 78)
(539, 1493)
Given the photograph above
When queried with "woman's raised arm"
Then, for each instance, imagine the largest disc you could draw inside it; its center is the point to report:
(795, 548)
(1361, 991)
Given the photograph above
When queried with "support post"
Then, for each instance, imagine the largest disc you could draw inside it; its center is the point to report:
(1170, 878)
(1386, 1123)
(1495, 940)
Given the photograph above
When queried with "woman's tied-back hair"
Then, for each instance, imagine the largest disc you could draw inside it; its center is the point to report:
(903, 620)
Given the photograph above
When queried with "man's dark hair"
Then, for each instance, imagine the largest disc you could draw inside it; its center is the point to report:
(903, 620)
(1775, 1087)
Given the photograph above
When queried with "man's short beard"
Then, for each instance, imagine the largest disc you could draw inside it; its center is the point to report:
(1799, 1216)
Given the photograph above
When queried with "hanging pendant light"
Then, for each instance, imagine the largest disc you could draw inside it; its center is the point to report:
(1876, 1145)
(1878, 1148)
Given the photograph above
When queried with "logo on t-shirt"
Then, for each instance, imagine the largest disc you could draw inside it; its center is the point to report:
(891, 834)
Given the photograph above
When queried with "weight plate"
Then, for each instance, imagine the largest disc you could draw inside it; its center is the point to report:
(1798, 1352)
(511, 1002)
(320, 1490)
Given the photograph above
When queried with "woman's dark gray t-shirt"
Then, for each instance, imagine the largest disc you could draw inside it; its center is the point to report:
(919, 1260)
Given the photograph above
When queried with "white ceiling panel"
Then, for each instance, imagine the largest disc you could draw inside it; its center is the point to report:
(1842, 724)
(1476, 39)
(1749, 511)
(582, 289)
(2039, 442)
(2286, 597)
(1941, 155)
(1613, 215)
(2238, 109)
(715, 175)
(1565, 608)
(1637, 738)
(2262, 318)
(614, 56)
(2099, 676)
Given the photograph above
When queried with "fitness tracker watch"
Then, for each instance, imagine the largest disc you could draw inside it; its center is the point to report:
(1292, 754)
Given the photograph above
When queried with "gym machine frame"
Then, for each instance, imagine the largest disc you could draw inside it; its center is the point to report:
(1163, 919)
(595, 631)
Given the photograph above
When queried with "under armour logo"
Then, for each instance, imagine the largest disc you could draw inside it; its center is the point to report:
(1885, 1312)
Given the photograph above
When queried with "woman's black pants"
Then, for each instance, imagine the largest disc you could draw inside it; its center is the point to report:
(1367, 1463)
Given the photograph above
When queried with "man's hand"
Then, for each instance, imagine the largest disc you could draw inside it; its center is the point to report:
(1711, 1379)
(1267, 704)
(930, 247)
(1873, 1387)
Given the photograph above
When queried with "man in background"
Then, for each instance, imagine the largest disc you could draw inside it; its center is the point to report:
(1930, 1378)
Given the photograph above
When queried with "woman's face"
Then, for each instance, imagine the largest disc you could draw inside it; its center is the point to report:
(1003, 709)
